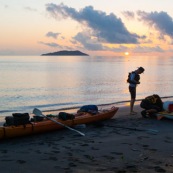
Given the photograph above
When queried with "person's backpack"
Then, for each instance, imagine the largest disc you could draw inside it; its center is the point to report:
(137, 77)
(152, 102)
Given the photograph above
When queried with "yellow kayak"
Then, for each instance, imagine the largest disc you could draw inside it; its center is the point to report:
(164, 114)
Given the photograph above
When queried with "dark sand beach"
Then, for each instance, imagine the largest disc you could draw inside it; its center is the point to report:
(126, 143)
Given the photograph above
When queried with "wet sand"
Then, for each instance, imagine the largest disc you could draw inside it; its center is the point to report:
(126, 143)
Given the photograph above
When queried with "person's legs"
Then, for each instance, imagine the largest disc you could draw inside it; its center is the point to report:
(132, 104)
(132, 91)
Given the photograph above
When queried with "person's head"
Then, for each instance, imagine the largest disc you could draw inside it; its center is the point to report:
(140, 70)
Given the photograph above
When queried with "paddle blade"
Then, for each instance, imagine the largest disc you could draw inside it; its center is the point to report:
(37, 112)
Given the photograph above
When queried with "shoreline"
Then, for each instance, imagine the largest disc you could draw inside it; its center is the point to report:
(72, 110)
(75, 108)
(117, 104)
(125, 143)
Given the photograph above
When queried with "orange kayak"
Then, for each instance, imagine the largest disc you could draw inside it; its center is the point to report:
(48, 125)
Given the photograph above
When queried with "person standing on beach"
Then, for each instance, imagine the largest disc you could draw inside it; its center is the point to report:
(134, 79)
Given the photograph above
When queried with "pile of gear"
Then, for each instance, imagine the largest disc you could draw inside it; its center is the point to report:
(153, 104)
(23, 118)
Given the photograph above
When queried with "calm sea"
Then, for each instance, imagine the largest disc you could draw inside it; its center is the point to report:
(56, 82)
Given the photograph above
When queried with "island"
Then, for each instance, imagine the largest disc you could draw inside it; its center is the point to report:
(66, 53)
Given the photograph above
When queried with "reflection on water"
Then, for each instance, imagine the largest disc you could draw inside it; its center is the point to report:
(58, 82)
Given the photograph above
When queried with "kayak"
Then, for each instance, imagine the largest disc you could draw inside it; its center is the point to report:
(47, 125)
(164, 114)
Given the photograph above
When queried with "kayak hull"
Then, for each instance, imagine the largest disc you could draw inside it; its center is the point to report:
(48, 125)
(164, 114)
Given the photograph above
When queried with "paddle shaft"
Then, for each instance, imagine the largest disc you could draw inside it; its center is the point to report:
(65, 126)
(38, 113)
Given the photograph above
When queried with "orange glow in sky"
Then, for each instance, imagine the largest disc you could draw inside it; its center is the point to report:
(92, 27)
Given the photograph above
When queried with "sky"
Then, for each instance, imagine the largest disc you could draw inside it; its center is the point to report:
(96, 27)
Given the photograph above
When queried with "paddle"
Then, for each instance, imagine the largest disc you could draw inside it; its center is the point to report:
(37, 112)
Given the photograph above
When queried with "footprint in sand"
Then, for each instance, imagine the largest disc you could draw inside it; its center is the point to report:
(38, 151)
(55, 151)
(21, 161)
(4, 151)
(167, 141)
(89, 157)
(72, 165)
(132, 168)
(53, 158)
(145, 146)
(109, 157)
(117, 153)
(159, 169)
(5, 160)
(84, 145)
(93, 148)
(152, 149)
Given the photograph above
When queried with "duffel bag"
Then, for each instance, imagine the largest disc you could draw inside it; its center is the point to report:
(93, 109)
(21, 118)
(65, 116)
(9, 121)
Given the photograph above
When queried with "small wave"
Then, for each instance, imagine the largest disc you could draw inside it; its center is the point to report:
(5, 111)
(126, 101)
(104, 104)
(50, 105)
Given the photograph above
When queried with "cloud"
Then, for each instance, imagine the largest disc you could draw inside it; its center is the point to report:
(84, 39)
(93, 45)
(107, 28)
(118, 49)
(30, 9)
(50, 44)
(129, 15)
(53, 34)
(161, 21)
(145, 49)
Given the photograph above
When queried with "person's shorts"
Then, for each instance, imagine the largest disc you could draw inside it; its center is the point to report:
(132, 91)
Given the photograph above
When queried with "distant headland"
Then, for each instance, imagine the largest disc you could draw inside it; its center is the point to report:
(66, 53)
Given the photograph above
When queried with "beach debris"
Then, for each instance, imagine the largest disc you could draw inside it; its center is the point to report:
(143, 157)
(134, 149)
